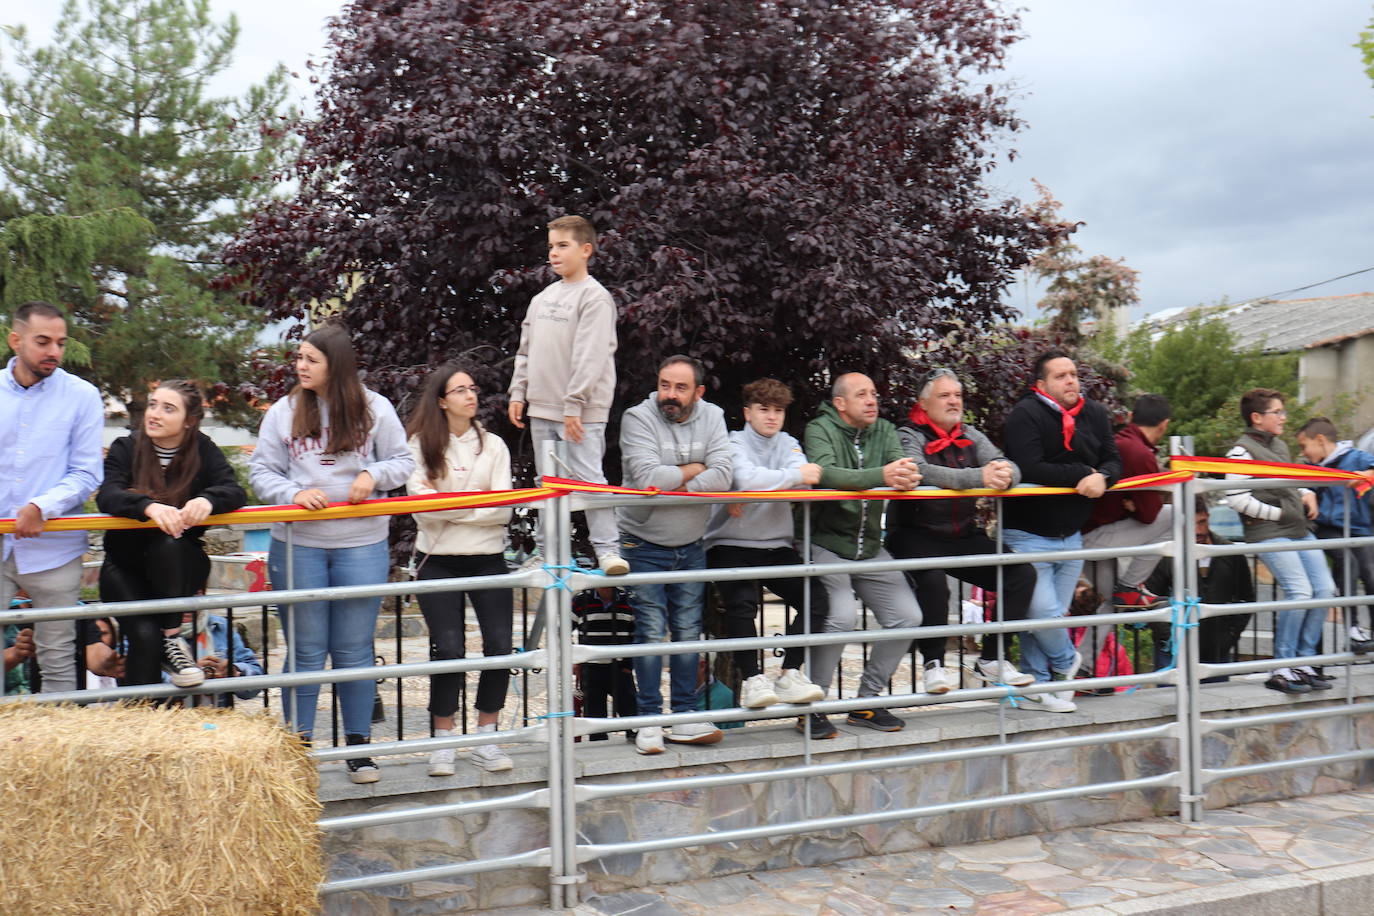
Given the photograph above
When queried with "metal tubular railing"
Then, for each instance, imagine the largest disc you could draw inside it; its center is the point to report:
(557, 729)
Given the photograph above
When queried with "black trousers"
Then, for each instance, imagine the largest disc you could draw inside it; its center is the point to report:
(165, 567)
(740, 600)
(932, 588)
(443, 613)
(612, 680)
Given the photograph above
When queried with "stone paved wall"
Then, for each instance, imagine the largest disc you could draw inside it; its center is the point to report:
(765, 747)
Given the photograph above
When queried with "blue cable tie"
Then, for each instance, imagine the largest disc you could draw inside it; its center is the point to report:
(1011, 694)
(555, 715)
(560, 581)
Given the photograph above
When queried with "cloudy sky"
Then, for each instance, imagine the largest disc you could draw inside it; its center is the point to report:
(1223, 148)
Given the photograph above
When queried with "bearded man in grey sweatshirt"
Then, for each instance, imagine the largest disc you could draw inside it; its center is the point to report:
(673, 440)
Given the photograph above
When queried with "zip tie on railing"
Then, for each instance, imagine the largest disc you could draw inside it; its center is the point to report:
(560, 581)
(1186, 609)
(556, 715)
(1011, 694)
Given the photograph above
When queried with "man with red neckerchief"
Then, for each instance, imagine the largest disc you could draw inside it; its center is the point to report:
(954, 456)
(1057, 438)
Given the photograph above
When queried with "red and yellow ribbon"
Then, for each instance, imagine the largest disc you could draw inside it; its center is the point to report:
(257, 515)
(1184, 467)
(580, 486)
(1270, 469)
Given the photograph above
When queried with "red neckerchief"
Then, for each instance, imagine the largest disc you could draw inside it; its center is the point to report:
(946, 439)
(1066, 415)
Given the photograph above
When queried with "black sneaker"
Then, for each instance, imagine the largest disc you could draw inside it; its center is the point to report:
(879, 719)
(1277, 681)
(1312, 678)
(821, 726)
(177, 662)
(361, 770)
(1360, 644)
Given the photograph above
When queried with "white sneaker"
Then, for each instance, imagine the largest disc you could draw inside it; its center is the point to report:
(939, 679)
(1001, 671)
(442, 762)
(613, 564)
(695, 733)
(757, 692)
(489, 757)
(793, 687)
(1054, 702)
(649, 740)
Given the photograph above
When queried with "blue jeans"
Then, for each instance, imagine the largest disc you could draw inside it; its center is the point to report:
(1043, 651)
(659, 611)
(340, 629)
(1300, 574)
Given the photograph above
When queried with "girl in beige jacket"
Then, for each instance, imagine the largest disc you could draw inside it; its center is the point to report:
(453, 453)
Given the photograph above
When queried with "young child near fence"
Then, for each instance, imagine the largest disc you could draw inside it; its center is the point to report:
(603, 617)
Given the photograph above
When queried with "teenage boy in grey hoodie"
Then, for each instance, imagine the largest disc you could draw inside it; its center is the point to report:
(673, 440)
(760, 534)
(564, 375)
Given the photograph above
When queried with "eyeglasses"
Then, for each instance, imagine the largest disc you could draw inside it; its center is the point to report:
(933, 374)
(463, 389)
(1277, 413)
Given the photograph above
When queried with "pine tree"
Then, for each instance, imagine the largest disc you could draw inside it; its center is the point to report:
(115, 116)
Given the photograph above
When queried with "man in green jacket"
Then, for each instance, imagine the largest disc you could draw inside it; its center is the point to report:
(858, 450)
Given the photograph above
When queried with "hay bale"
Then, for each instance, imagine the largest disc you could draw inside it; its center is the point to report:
(147, 810)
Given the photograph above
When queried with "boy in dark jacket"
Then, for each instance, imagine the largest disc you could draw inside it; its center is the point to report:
(1059, 439)
(1321, 445)
(954, 456)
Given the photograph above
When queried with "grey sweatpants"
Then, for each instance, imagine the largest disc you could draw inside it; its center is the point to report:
(55, 640)
(583, 462)
(892, 602)
(1128, 532)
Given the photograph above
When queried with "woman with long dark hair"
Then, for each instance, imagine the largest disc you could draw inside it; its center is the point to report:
(331, 440)
(170, 473)
(453, 453)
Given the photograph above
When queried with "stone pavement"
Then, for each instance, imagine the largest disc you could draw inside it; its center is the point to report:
(1312, 856)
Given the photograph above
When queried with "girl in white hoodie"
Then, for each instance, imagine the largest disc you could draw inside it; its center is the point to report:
(453, 453)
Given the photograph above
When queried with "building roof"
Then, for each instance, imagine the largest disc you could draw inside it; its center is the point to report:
(1284, 325)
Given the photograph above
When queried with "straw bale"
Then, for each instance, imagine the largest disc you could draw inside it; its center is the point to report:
(147, 810)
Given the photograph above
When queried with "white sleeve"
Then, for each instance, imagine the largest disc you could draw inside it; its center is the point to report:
(1244, 501)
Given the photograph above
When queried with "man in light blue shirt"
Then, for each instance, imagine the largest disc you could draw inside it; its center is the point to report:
(50, 462)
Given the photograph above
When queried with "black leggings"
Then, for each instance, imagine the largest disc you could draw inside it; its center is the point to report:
(166, 567)
(740, 600)
(443, 612)
(932, 588)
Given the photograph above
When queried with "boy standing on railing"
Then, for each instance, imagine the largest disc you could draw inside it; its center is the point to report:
(1322, 446)
(50, 462)
(760, 534)
(564, 375)
(1279, 516)
(673, 440)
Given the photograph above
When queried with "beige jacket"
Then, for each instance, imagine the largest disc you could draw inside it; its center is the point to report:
(565, 366)
(463, 532)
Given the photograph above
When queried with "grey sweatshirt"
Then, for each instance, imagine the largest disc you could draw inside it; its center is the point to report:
(281, 467)
(760, 463)
(651, 450)
(565, 366)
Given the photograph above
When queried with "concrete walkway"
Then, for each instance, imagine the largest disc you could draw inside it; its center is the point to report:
(1311, 856)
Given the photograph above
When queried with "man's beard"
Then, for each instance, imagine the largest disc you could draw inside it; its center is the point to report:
(673, 410)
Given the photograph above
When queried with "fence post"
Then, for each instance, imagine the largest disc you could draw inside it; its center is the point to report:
(1185, 638)
(556, 522)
